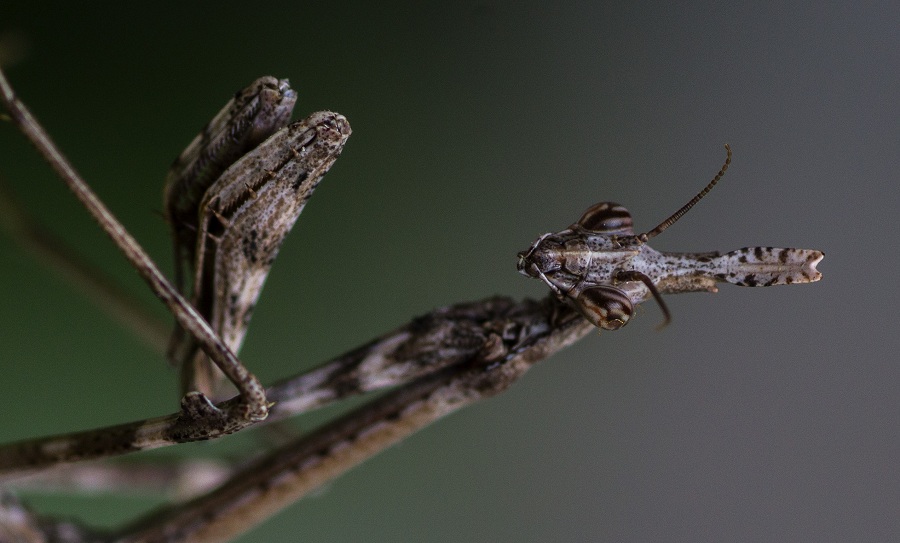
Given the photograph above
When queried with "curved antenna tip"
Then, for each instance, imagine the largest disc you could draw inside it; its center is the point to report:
(686, 207)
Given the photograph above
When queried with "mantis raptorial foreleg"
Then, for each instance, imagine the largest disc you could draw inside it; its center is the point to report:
(248, 119)
(252, 116)
(259, 196)
(243, 219)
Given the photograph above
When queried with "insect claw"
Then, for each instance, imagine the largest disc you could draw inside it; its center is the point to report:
(666, 321)
(222, 219)
(634, 275)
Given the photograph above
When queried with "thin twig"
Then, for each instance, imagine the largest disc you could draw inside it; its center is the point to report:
(256, 405)
(516, 336)
(429, 343)
(481, 348)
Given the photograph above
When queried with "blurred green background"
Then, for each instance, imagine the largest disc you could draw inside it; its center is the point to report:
(759, 414)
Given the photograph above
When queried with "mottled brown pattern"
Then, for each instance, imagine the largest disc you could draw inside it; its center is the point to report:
(251, 116)
(244, 219)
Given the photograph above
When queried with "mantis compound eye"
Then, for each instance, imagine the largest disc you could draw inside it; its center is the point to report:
(605, 307)
(607, 218)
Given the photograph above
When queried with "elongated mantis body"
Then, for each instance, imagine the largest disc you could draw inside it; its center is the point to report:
(600, 267)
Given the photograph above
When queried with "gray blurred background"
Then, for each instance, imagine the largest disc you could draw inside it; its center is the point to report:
(759, 414)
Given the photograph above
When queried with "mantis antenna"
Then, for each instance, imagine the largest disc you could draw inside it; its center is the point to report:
(686, 207)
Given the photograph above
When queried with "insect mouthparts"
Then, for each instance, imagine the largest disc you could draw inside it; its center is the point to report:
(520, 264)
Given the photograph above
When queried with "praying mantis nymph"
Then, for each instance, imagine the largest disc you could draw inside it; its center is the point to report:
(231, 198)
(601, 268)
